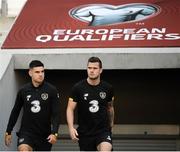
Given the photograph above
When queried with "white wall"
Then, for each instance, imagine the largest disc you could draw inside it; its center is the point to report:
(8, 90)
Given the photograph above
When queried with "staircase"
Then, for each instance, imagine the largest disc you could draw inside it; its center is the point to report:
(128, 143)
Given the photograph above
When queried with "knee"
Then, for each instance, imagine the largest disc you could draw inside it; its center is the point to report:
(24, 147)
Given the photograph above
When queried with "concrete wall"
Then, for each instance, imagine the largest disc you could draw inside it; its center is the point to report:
(113, 58)
(8, 88)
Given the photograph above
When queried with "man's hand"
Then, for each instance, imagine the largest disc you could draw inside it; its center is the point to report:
(7, 139)
(74, 134)
(52, 139)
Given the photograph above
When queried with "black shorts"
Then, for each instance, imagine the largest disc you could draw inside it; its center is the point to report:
(37, 143)
(91, 143)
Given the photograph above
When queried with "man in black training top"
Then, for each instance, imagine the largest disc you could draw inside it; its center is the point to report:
(40, 119)
(94, 100)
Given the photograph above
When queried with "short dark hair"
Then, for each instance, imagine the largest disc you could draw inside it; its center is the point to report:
(95, 59)
(35, 63)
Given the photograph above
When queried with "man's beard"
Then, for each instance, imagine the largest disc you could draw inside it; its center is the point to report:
(93, 78)
(39, 81)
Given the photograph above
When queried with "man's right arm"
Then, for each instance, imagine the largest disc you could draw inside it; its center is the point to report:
(70, 119)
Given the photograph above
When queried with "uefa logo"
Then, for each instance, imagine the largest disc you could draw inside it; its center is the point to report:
(103, 14)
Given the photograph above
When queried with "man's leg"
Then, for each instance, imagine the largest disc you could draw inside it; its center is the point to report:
(25, 142)
(104, 146)
(24, 147)
(104, 142)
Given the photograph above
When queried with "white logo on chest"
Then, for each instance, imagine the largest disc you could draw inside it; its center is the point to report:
(94, 106)
(85, 96)
(28, 97)
(102, 95)
(35, 106)
(44, 96)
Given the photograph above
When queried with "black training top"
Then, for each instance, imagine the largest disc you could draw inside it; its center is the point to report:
(92, 102)
(40, 110)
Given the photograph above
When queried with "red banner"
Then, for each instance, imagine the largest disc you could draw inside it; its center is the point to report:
(96, 24)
